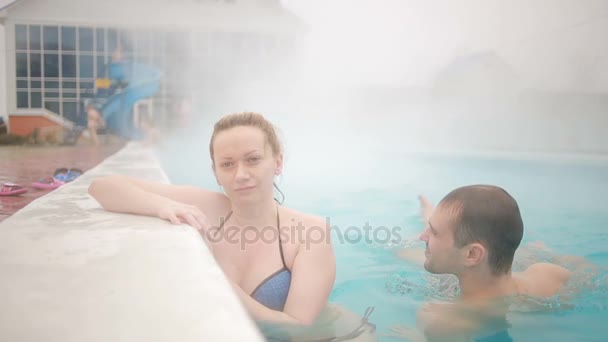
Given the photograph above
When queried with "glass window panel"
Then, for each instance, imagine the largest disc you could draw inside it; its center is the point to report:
(68, 38)
(70, 110)
(68, 66)
(85, 39)
(69, 85)
(86, 66)
(100, 39)
(22, 99)
(53, 106)
(69, 95)
(51, 84)
(21, 37)
(51, 94)
(21, 64)
(50, 37)
(35, 38)
(35, 65)
(36, 99)
(112, 38)
(22, 84)
(51, 65)
(101, 66)
(87, 85)
(35, 84)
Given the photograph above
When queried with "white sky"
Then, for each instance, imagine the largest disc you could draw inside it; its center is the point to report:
(551, 43)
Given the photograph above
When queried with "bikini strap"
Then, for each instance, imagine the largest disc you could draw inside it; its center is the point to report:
(280, 242)
(225, 220)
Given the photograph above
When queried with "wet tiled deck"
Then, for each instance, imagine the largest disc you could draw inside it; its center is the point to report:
(26, 164)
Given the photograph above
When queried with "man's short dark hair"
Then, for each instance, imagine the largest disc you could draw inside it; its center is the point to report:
(488, 215)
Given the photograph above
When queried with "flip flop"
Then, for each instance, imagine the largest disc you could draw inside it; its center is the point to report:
(47, 183)
(60, 171)
(12, 189)
(60, 174)
(72, 174)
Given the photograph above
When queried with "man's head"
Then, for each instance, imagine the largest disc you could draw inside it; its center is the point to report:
(473, 226)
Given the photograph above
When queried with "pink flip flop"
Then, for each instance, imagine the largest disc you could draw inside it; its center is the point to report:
(12, 189)
(47, 183)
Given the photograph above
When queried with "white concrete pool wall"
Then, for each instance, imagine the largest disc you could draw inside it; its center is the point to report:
(71, 271)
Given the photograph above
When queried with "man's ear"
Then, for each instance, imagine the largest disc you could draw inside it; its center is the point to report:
(476, 253)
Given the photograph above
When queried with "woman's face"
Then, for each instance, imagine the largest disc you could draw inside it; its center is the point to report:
(245, 165)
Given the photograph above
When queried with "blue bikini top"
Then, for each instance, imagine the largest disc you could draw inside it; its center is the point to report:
(272, 292)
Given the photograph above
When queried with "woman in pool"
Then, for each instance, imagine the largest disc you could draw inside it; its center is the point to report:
(278, 278)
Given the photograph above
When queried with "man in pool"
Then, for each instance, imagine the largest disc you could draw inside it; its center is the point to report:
(473, 234)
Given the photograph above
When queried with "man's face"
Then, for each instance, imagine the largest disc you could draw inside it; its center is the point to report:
(442, 256)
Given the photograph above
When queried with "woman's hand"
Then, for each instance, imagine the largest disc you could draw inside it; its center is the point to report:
(178, 213)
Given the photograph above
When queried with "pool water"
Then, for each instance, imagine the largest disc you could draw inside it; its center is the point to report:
(563, 200)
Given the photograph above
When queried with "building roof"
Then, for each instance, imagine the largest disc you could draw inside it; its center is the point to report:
(234, 15)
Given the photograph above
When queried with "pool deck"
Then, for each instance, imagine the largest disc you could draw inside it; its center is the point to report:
(72, 271)
(26, 164)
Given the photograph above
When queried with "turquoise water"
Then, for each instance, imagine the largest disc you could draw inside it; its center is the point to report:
(563, 203)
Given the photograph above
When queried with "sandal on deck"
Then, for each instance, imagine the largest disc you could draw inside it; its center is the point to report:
(47, 183)
(12, 189)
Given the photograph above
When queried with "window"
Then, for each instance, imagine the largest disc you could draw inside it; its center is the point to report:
(51, 65)
(51, 85)
(100, 40)
(112, 39)
(68, 38)
(53, 106)
(70, 110)
(101, 66)
(86, 66)
(85, 39)
(35, 39)
(51, 38)
(21, 37)
(22, 99)
(35, 65)
(69, 85)
(68, 66)
(21, 64)
(36, 97)
(55, 66)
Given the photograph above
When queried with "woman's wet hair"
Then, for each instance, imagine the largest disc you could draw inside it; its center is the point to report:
(249, 119)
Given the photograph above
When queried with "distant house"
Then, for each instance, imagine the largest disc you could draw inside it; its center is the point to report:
(53, 51)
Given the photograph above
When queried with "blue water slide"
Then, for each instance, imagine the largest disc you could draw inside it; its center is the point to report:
(142, 81)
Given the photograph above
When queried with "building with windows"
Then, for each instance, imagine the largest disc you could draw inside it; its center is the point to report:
(52, 52)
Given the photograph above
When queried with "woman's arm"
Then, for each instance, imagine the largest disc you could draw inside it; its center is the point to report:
(175, 203)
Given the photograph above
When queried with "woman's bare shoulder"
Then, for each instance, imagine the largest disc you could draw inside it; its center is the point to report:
(307, 220)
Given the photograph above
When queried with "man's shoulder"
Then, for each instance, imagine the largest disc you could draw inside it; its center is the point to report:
(543, 279)
(546, 269)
